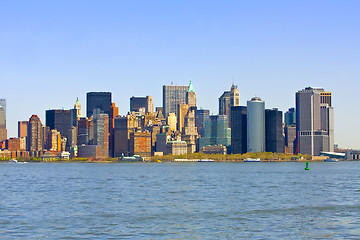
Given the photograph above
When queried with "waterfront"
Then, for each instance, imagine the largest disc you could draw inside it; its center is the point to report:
(180, 200)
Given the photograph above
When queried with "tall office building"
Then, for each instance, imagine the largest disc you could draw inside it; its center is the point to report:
(200, 116)
(123, 126)
(274, 131)
(22, 128)
(62, 121)
(101, 131)
(290, 117)
(3, 104)
(255, 125)
(77, 106)
(172, 97)
(100, 100)
(142, 102)
(227, 100)
(3, 131)
(216, 132)
(34, 134)
(238, 129)
(314, 121)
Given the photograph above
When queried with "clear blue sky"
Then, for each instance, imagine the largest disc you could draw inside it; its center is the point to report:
(54, 51)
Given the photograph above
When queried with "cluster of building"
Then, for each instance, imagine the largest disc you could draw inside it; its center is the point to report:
(178, 127)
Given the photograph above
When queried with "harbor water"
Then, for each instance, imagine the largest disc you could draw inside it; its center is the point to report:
(180, 200)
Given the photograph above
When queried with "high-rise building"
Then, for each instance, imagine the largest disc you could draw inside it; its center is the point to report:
(22, 128)
(200, 116)
(3, 104)
(227, 100)
(290, 136)
(100, 100)
(83, 131)
(3, 131)
(290, 117)
(314, 121)
(238, 129)
(191, 96)
(140, 144)
(172, 97)
(172, 121)
(274, 136)
(255, 125)
(114, 112)
(34, 134)
(101, 131)
(123, 126)
(216, 132)
(142, 102)
(62, 120)
(77, 106)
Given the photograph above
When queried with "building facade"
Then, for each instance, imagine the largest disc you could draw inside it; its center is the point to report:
(239, 129)
(172, 96)
(255, 125)
(142, 102)
(314, 121)
(274, 137)
(100, 100)
(227, 100)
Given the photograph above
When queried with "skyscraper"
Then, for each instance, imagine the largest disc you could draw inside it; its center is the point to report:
(100, 100)
(216, 132)
(314, 121)
(3, 131)
(274, 131)
(255, 125)
(290, 117)
(200, 116)
(77, 106)
(172, 97)
(101, 131)
(142, 102)
(22, 128)
(227, 100)
(3, 104)
(34, 134)
(62, 120)
(238, 129)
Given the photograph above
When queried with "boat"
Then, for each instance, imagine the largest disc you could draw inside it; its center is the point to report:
(252, 160)
(135, 158)
(331, 160)
(13, 161)
(206, 160)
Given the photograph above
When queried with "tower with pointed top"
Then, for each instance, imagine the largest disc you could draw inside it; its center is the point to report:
(77, 106)
(191, 96)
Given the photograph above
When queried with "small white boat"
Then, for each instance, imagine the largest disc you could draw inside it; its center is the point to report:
(252, 160)
(331, 160)
(12, 161)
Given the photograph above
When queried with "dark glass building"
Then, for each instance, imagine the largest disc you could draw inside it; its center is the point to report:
(200, 116)
(61, 120)
(239, 129)
(274, 138)
(100, 100)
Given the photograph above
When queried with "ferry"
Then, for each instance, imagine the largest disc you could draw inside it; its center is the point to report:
(206, 160)
(135, 158)
(13, 161)
(252, 160)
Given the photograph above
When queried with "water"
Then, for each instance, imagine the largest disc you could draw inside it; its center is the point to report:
(180, 201)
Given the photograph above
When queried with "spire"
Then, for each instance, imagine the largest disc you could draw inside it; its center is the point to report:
(77, 100)
(191, 88)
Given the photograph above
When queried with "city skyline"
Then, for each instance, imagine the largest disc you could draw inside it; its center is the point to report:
(269, 50)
